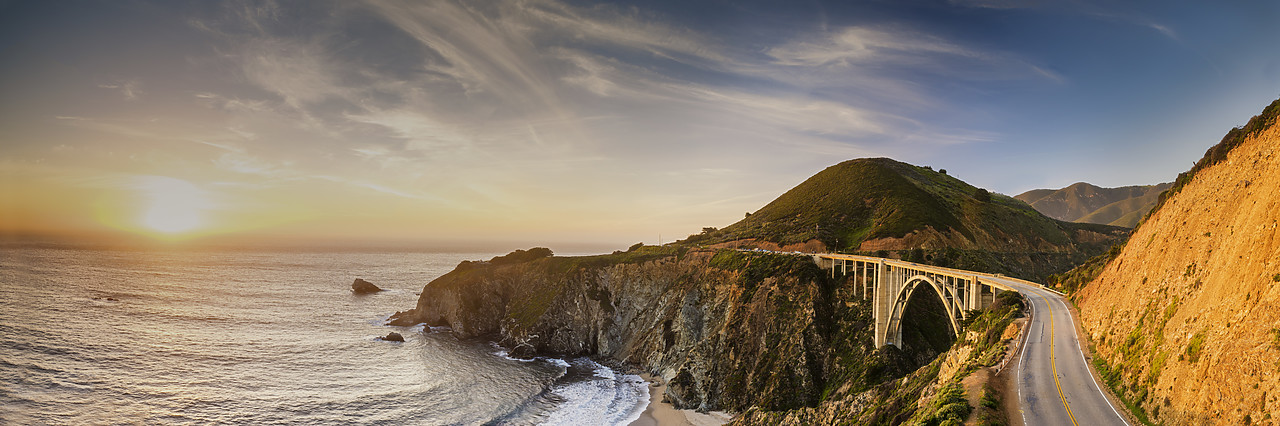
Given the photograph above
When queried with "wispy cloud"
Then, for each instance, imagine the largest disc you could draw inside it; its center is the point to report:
(607, 26)
(221, 146)
(129, 88)
(379, 188)
(998, 4)
(488, 68)
(1139, 21)
(1098, 9)
(510, 103)
(297, 72)
(239, 162)
(884, 51)
(855, 46)
(419, 131)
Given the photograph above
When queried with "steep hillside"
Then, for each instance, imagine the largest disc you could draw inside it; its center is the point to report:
(1185, 318)
(1086, 203)
(880, 205)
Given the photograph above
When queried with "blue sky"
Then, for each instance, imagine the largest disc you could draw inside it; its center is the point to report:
(580, 121)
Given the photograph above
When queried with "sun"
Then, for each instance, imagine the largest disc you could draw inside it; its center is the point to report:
(173, 206)
(171, 218)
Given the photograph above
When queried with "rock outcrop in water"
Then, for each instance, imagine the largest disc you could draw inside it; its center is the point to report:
(393, 337)
(361, 286)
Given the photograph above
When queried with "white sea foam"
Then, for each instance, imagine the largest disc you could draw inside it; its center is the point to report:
(502, 352)
(557, 361)
(604, 398)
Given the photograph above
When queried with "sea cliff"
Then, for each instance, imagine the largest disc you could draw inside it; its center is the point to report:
(726, 330)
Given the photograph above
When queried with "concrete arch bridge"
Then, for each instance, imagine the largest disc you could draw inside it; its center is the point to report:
(889, 284)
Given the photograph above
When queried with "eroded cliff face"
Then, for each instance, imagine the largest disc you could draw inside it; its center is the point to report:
(1187, 317)
(727, 330)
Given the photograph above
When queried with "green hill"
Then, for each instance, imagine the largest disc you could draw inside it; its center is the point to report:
(882, 206)
(1126, 212)
(1086, 203)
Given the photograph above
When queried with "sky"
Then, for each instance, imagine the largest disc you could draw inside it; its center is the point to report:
(550, 121)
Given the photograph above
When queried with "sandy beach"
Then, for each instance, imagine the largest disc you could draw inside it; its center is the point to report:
(660, 413)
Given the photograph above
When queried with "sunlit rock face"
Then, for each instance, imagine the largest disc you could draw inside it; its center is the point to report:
(1187, 315)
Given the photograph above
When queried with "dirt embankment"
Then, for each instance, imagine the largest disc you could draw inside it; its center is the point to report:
(1187, 317)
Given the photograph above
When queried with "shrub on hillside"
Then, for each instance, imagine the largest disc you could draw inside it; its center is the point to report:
(1193, 348)
(982, 195)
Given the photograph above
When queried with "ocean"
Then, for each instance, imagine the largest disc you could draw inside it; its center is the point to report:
(97, 336)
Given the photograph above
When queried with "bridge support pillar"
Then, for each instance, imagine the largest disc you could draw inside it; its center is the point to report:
(857, 286)
(973, 293)
(869, 283)
(883, 303)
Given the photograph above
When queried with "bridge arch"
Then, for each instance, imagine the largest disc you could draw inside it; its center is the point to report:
(945, 293)
(890, 284)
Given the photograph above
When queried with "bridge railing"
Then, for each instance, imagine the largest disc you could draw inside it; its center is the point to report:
(954, 273)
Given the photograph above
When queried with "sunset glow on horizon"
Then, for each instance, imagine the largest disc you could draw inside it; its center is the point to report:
(607, 123)
(174, 206)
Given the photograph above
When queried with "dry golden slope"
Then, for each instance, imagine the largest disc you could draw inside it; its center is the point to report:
(1201, 272)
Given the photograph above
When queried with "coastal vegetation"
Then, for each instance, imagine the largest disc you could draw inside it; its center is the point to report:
(988, 413)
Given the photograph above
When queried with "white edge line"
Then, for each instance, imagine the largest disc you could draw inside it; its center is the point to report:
(1091, 377)
(1018, 379)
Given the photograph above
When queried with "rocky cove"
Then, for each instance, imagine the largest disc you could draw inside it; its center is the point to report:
(726, 330)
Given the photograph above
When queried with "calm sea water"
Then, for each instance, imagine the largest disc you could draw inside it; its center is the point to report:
(111, 337)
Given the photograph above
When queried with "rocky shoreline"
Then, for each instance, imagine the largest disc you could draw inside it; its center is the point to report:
(722, 330)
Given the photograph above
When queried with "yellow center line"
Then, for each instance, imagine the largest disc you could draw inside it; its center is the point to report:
(1053, 362)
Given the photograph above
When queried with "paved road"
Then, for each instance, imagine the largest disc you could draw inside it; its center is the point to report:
(1052, 351)
(1055, 386)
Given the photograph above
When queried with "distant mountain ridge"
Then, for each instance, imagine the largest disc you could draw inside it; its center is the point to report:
(1087, 203)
